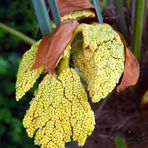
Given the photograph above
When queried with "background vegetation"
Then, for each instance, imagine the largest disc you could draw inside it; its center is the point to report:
(18, 15)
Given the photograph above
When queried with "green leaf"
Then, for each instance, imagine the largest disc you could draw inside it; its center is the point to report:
(5, 115)
(138, 27)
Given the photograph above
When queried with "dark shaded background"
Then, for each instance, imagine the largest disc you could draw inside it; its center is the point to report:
(117, 115)
(18, 15)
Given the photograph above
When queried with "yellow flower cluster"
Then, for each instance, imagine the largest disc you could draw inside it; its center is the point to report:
(99, 55)
(59, 111)
(26, 77)
(79, 14)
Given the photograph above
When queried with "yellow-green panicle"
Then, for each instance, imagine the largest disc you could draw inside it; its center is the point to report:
(59, 111)
(27, 76)
(99, 55)
(79, 14)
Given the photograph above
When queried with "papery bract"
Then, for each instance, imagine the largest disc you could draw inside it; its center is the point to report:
(131, 69)
(53, 45)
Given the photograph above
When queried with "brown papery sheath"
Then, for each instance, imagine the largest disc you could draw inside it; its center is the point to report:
(53, 45)
(68, 6)
(131, 69)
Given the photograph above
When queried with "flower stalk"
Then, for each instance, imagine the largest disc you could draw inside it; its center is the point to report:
(138, 25)
(16, 33)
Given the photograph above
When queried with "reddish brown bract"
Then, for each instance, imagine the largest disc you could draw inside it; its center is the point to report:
(68, 6)
(131, 69)
(53, 45)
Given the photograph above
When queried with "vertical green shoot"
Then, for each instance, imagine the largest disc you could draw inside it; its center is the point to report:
(42, 16)
(55, 11)
(138, 25)
(98, 11)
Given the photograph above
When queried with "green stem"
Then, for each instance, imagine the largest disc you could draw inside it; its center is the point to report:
(64, 62)
(138, 25)
(16, 33)
(98, 11)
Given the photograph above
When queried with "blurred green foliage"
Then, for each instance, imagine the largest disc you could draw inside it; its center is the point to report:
(120, 142)
(18, 15)
(12, 133)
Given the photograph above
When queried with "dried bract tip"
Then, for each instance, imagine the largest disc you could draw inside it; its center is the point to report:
(131, 69)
